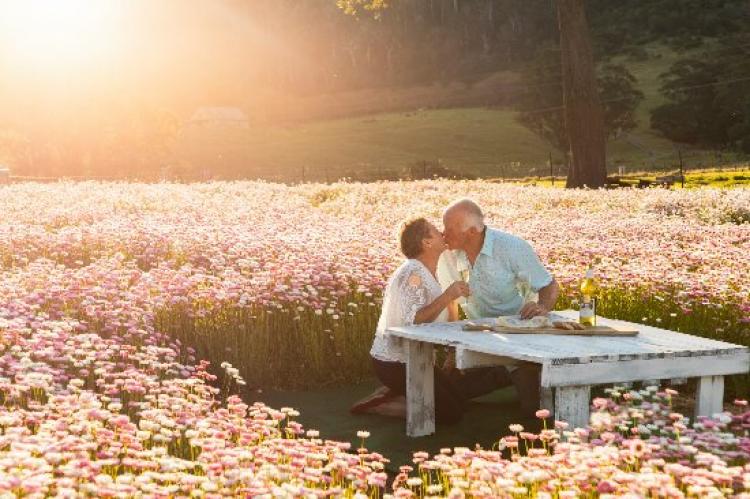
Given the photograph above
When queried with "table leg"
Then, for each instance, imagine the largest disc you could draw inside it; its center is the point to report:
(547, 399)
(572, 405)
(420, 389)
(710, 396)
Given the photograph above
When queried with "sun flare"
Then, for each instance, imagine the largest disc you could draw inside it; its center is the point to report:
(57, 32)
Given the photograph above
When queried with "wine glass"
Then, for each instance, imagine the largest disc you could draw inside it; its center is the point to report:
(463, 302)
(465, 274)
(524, 287)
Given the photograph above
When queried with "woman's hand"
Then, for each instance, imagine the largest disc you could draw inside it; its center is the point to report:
(431, 311)
(457, 290)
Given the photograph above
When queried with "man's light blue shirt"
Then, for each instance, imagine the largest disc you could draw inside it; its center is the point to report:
(505, 263)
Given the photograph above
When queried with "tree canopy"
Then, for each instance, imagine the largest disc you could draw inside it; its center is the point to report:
(709, 98)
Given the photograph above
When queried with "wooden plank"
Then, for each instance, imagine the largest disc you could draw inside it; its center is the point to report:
(468, 359)
(589, 331)
(657, 336)
(649, 344)
(572, 405)
(547, 398)
(602, 371)
(710, 396)
(420, 389)
(592, 331)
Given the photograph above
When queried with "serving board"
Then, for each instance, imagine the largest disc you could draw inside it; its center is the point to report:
(589, 331)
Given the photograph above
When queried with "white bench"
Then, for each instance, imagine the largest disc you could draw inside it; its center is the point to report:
(570, 364)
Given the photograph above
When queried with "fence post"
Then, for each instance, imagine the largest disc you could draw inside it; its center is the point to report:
(551, 172)
(682, 170)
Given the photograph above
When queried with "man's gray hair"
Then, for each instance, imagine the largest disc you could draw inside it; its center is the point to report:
(472, 215)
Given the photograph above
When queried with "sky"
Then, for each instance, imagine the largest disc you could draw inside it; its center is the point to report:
(63, 58)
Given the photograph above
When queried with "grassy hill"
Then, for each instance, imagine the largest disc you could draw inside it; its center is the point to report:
(475, 140)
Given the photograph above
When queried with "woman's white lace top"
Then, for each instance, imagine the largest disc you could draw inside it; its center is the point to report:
(411, 288)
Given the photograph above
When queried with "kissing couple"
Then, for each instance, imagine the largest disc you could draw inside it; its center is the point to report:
(478, 266)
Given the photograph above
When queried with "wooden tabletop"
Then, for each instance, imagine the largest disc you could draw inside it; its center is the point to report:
(650, 343)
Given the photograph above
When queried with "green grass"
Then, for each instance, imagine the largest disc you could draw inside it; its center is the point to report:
(272, 349)
(644, 148)
(327, 410)
(473, 140)
(718, 178)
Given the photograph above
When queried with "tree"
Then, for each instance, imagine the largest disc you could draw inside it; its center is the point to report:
(582, 110)
(708, 99)
(618, 25)
(540, 103)
(584, 119)
(541, 109)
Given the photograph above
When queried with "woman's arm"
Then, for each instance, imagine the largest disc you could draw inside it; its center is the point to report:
(429, 313)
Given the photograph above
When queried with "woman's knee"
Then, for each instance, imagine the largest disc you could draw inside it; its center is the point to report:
(391, 374)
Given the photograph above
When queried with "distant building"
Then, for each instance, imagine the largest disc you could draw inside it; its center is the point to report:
(209, 117)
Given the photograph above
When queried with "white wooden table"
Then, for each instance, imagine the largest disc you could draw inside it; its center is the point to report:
(570, 364)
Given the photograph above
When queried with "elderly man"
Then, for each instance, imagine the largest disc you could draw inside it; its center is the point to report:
(496, 265)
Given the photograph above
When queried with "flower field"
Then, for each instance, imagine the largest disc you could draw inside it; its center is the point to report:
(113, 296)
(635, 446)
(284, 282)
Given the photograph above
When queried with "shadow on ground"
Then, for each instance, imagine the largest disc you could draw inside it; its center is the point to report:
(327, 410)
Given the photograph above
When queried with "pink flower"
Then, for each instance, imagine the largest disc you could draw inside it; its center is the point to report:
(605, 487)
(600, 403)
(542, 413)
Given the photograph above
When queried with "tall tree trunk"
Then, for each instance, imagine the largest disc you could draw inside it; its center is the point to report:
(584, 118)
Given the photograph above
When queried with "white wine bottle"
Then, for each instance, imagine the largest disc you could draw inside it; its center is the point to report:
(587, 311)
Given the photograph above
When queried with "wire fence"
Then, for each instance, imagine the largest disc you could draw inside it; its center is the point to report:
(679, 161)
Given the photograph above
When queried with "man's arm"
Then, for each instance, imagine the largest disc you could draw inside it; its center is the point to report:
(546, 303)
(524, 259)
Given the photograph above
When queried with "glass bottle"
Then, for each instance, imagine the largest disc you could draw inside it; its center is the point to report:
(589, 288)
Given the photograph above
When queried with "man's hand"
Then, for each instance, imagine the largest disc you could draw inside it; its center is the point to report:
(532, 309)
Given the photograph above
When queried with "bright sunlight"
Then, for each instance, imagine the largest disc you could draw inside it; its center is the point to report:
(48, 33)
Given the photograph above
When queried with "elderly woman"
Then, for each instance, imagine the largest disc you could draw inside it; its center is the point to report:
(414, 296)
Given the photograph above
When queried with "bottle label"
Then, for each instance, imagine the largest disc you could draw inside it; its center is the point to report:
(587, 312)
(587, 309)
